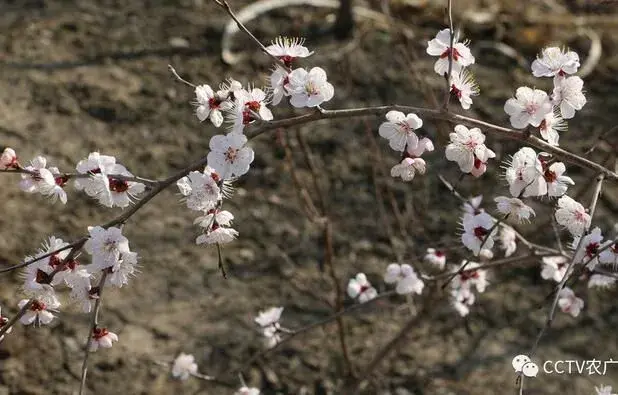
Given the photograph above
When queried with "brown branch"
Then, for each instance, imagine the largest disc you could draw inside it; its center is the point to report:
(15, 318)
(512, 134)
(94, 322)
(561, 285)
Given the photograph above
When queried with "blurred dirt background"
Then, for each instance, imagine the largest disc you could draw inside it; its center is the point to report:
(78, 76)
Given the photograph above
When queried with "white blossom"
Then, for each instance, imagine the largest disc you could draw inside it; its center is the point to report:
(269, 317)
(601, 281)
(3, 321)
(477, 231)
(184, 366)
(568, 95)
(211, 104)
(587, 252)
(309, 89)
(469, 277)
(436, 258)
(463, 86)
(408, 168)
(508, 240)
(609, 256)
(405, 278)
(462, 299)
(466, 147)
(441, 46)
(399, 130)
(604, 390)
(40, 179)
(514, 207)
(200, 189)
(360, 288)
(525, 174)
(38, 313)
(554, 267)
(557, 183)
(555, 62)
(229, 156)
(278, 80)
(103, 338)
(551, 125)
(529, 107)
(569, 303)
(424, 145)
(217, 235)
(8, 159)
(288, 48)
(106, 246)
(572, 215)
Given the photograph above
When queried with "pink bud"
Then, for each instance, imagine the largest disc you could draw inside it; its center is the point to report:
(8, 159)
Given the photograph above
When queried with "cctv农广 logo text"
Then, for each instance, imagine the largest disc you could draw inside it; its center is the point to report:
(524, 365)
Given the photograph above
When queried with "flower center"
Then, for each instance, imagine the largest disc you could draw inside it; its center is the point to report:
(532, 108)
(253, 105)
(579, 216)
(480, 232)
(98, 333)
(311, 89)
(230, 154)
(591, 249)
(550, 176)
(214, 103)
(42, 277)
(55, 261)
(37, 306)
(117, 185)
(61, 180)
(455, 91)
(287, 60)
(465, 276)
(455, 52)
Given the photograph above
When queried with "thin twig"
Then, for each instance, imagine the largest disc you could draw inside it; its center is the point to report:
(224, 4)
(560, 287)
(447, 94)
(94, 322)
(179, 78)
(314, 325)
(15, 318)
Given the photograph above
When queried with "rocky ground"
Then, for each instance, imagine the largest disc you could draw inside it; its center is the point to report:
(79, 76)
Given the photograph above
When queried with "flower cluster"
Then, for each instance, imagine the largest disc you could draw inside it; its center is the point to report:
(529, 174)
(99, 176)
(399, 131)
(467, 148)
(463, 284)
(536, 108)
(405, 279)
(56, 265)
(462, 84)
(269, 324)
